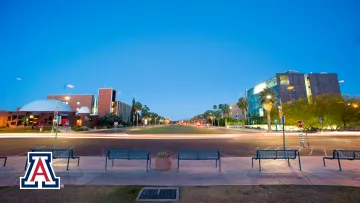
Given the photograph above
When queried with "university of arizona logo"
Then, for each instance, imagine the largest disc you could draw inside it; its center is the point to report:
(40, 173)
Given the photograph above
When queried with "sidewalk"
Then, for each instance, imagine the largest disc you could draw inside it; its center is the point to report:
(235, 171)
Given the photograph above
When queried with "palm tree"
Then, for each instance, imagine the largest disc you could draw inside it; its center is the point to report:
(137, 107)
(225, 109)
(214, 107)
(268, 99)
(145, 112)
(218, 116)
(242, 104)
(132, 112)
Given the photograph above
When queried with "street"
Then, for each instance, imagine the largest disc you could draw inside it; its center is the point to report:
(240, 146)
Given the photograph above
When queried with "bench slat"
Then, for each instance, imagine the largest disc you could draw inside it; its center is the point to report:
(56, 153)
(276, 154)
(199, 155)
(128, 154)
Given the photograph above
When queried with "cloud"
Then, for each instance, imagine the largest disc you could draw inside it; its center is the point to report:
(18, 79)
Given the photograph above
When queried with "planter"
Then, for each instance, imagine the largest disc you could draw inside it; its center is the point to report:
(163, 164)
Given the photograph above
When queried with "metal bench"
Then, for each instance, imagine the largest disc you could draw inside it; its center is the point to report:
(199, 155)
(57, 154)
(4, 157)
(344, 155)
(276, 154)
(112, 154)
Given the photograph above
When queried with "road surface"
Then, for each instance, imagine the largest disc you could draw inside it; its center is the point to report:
(241, 145)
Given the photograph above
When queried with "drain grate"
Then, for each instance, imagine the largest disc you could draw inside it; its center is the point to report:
(158, 194)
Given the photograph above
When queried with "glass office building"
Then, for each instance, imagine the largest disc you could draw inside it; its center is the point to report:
(255, 111)
(302, 86)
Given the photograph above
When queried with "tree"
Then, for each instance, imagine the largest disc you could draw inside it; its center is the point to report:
(145, 112)
(225, 109)
(137, 107)
(268, 99)
(242, 104)
(218, 116)
(209, 114)
(108, 120)
(132, 111)
(300, 110)
(338, 112)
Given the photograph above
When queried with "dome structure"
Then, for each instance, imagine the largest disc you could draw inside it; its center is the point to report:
(84, 109)
(46, 105)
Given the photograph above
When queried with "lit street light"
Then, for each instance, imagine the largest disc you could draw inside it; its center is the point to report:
(268, 96)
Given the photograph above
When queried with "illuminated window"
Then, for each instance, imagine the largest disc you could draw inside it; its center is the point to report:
(78, 103)
(284, 80)
(260, 87)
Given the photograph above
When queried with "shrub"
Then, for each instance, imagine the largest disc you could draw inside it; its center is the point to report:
(79, 128)
(163, 155)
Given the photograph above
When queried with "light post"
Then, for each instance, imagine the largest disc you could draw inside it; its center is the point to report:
(56, 114)
(137, 118)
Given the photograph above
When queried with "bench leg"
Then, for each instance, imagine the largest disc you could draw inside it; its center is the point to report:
(112, 165)
(339, 164)
(150, 163)
(178, 165)
(5, 161)
(288, 162)
(105, 163)
(78, 161)
(216, 163)
(299, 161)
(67, 166)
(219, 164)
(26, 162)
(259, 165)
(147, 165)
(324, 161)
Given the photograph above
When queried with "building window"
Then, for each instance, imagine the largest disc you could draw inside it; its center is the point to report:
(78, 103)
(14, 117)
(9, 118)
(284, 80)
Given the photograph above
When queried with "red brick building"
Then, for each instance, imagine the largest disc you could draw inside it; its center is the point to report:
(106, 102)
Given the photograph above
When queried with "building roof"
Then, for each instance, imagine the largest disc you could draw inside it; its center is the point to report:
(46, 105)
(84, 109)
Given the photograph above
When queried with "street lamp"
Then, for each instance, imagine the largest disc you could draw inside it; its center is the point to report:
(56, 115)
(268, 96)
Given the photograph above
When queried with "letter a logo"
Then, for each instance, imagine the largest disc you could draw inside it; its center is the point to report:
(39, 174)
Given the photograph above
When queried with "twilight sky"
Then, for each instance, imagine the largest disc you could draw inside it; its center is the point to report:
(178, 57)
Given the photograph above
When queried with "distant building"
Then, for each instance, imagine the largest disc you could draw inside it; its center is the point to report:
(124, 111)
(290, 86)
(235, 112)
(321, 83)
(106, 103)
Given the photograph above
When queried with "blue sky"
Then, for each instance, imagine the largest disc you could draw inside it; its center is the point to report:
(178, 57)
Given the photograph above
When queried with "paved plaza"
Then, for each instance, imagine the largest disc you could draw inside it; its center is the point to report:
(235, 171)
